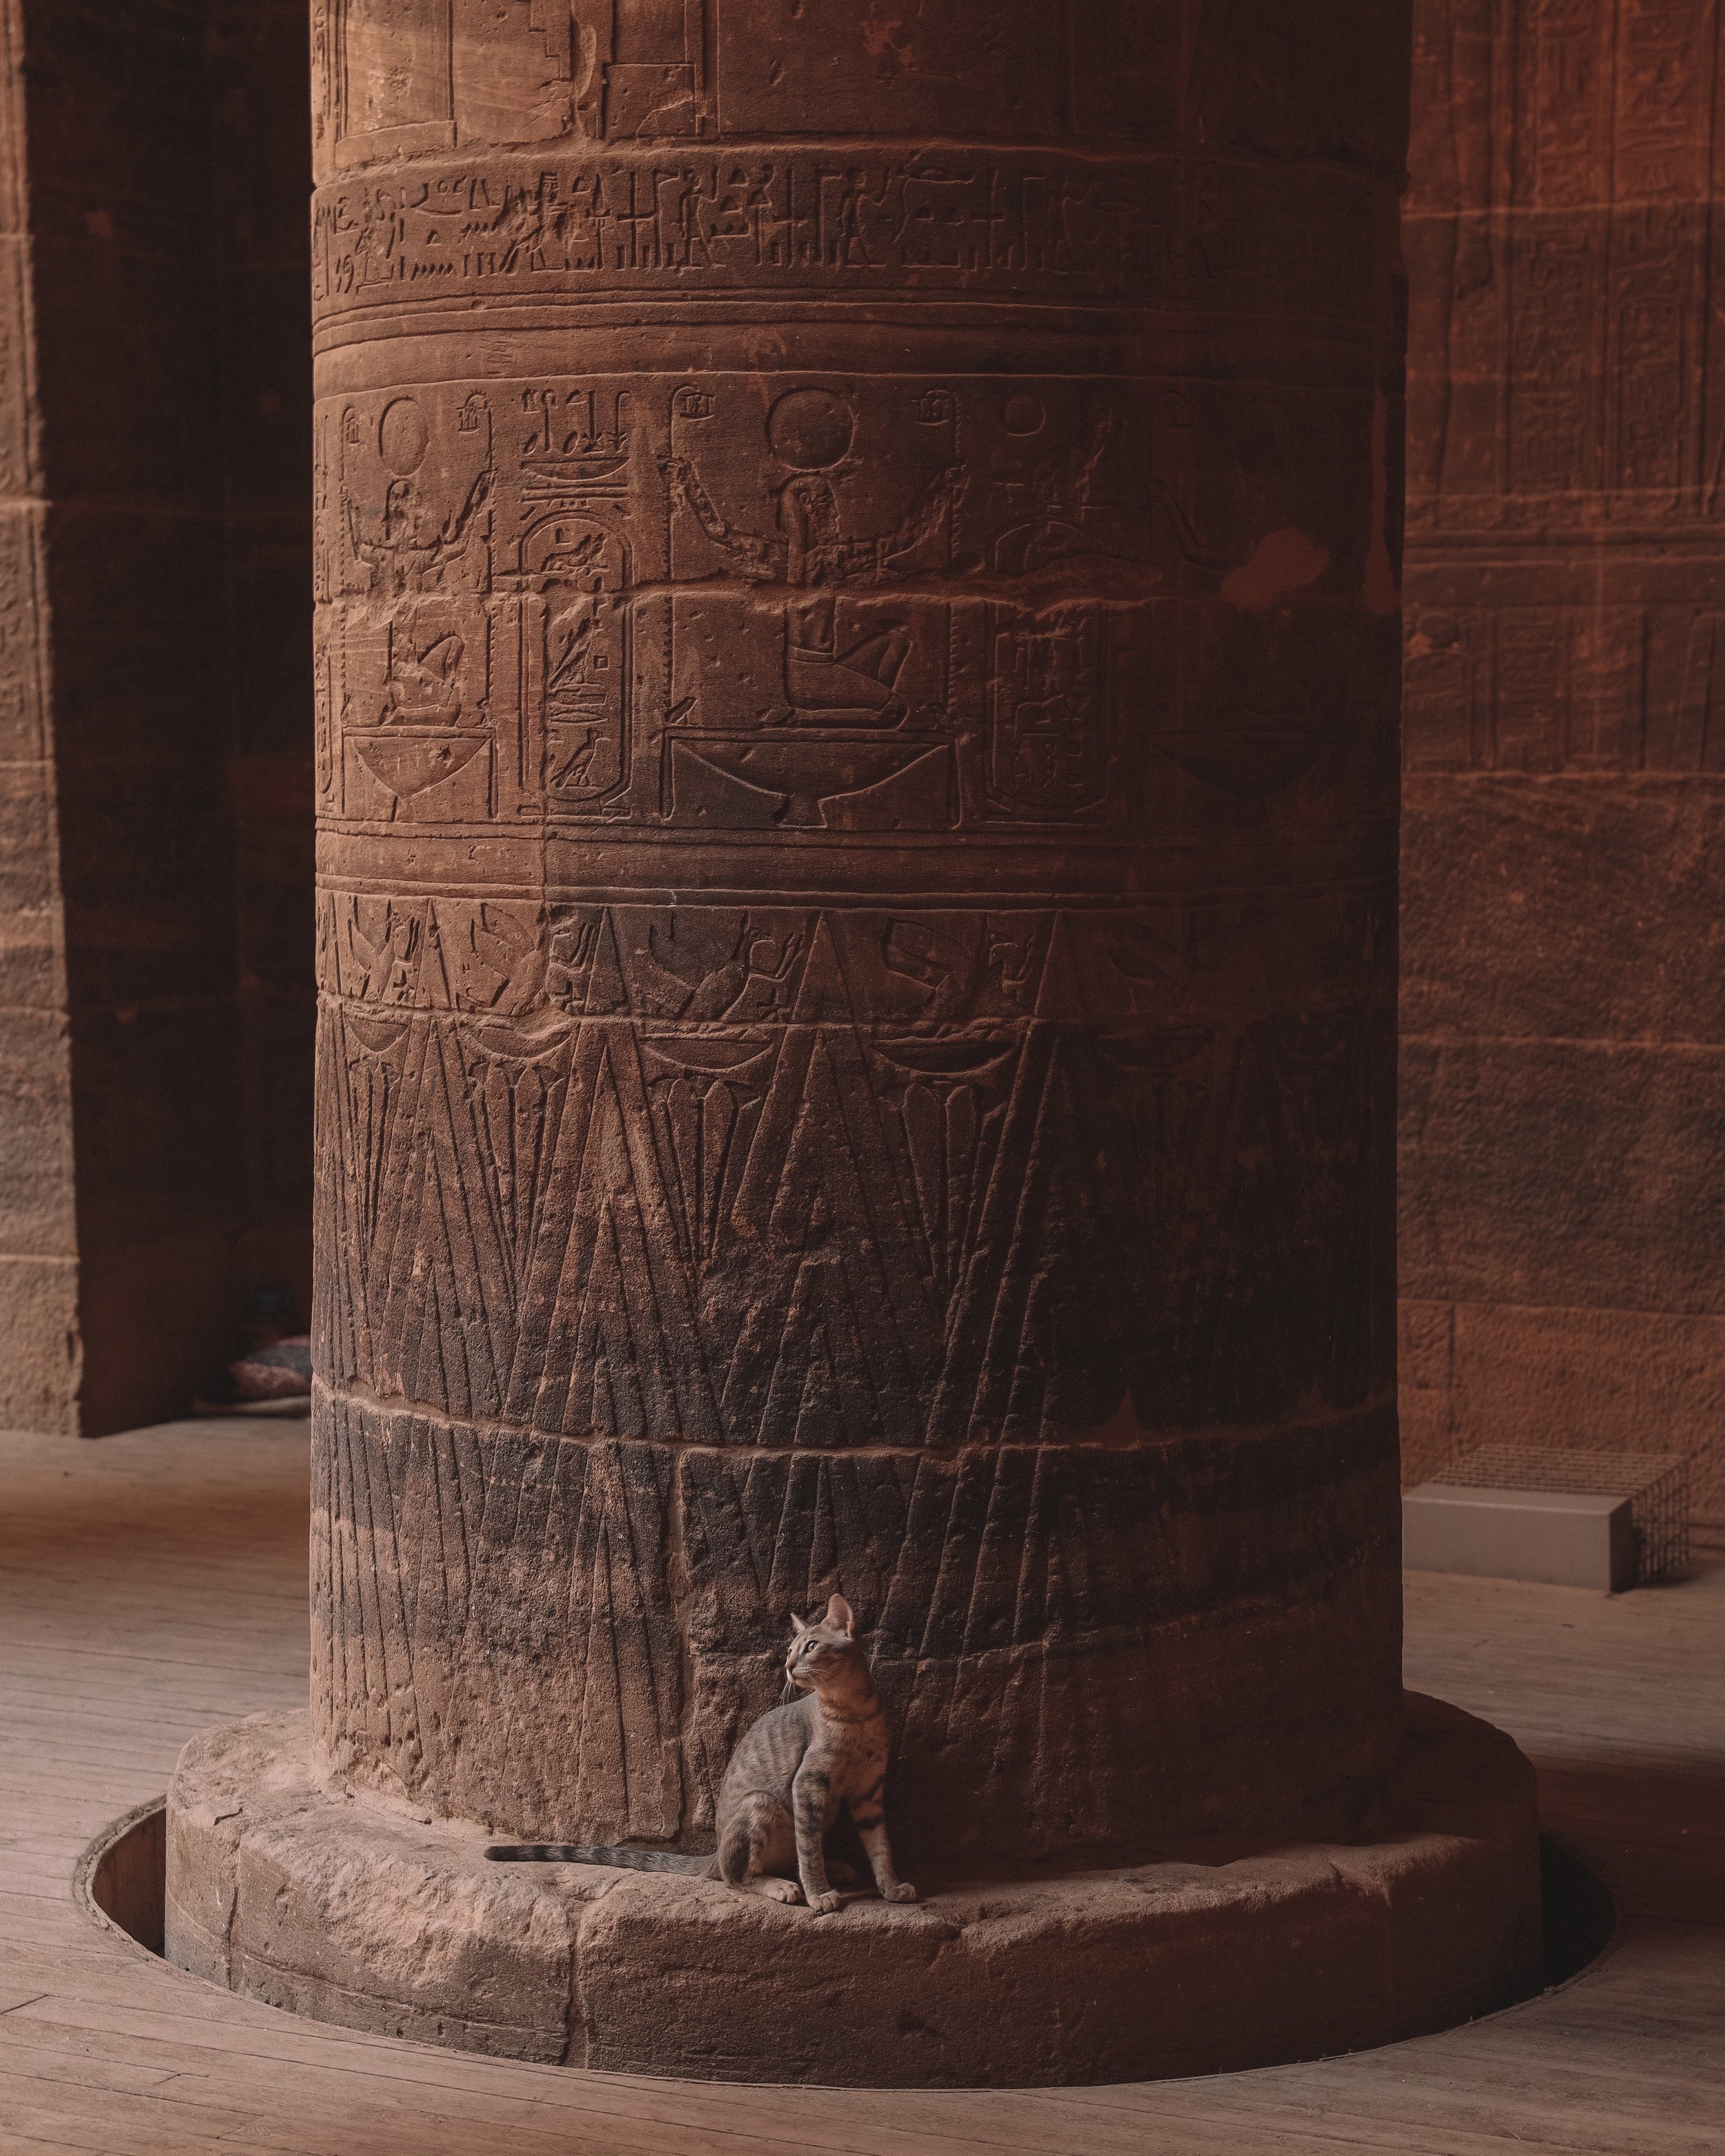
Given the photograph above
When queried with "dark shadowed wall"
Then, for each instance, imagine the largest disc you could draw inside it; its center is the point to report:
(157, 1046)
(262, 179)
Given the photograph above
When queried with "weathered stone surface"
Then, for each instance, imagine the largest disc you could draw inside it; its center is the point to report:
(275, 1889)
(38, 1280)
(1489, 869)
(1564, 730)
(37, 1217)
(857, 702)
(1187, 1965)
(39, 1316)
(621, 1691)
(1617, 1176)
(1499, 1373)
(440, 1954)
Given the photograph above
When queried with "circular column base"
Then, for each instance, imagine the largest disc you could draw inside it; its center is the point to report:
(397, 1924)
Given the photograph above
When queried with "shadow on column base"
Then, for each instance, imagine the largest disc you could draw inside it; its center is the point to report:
(381, 1921)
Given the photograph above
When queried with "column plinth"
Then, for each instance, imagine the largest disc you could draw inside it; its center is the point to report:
(859, 672)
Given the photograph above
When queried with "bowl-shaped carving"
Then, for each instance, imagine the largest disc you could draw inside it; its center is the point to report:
(405, 762)
(808, 766)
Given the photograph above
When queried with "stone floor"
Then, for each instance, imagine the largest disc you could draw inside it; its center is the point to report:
(153, 1584)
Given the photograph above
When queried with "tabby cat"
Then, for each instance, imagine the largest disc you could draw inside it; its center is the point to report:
(825, 1747)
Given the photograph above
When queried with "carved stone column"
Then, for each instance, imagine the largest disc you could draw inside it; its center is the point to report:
(858, 653)
(859, 669)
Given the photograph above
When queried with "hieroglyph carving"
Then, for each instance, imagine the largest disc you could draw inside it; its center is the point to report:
(616, 69)
(852, 603)
(701, 221)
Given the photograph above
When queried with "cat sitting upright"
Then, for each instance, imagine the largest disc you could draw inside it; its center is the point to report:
(786, 1781)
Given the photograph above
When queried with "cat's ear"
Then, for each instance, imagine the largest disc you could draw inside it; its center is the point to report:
(796, 1625)
(841, 1617)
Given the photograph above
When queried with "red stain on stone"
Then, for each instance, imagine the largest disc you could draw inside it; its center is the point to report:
(1282, 562)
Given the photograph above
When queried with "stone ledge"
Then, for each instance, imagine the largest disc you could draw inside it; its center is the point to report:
(330, 1907)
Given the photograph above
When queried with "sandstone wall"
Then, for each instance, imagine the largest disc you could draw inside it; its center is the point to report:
(1563, 1122)
(38, 1274)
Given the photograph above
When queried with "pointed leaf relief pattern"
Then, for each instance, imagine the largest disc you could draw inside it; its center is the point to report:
(816, 1235)
(520, 1588)
(567, 1637)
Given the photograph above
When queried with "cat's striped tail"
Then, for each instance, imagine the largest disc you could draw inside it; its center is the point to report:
(576, 1852)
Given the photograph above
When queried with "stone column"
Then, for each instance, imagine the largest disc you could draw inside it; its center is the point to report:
(858, 663)
(858, 673)
(1564, 814)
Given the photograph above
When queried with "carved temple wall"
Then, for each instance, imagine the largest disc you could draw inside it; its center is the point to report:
(857, 678)
(155, 985)
(39, 1277)
(1563, 1138)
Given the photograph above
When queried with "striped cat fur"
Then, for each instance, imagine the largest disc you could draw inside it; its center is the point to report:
(824, 1748)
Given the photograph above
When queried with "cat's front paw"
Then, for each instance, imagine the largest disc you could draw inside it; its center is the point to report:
(823, 1904)
(900, 1890)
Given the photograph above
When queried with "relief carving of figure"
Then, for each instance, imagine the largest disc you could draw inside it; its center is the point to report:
(415, 664)
(414, 538)
(423, 687)
(746, 985)
(826, 682)
(411, 544)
